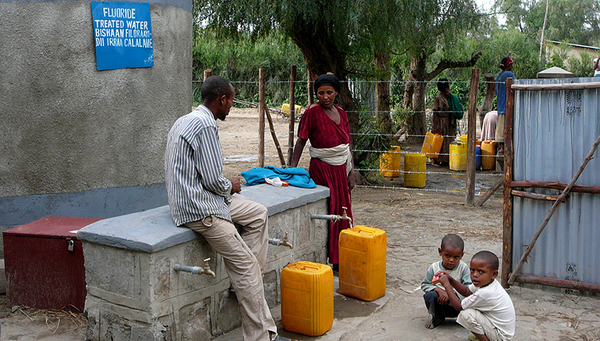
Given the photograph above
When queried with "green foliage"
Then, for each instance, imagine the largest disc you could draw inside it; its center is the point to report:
(581, 67)
(573, 21)
(238, 59)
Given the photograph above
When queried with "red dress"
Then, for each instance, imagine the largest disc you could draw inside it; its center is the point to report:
(323, 132)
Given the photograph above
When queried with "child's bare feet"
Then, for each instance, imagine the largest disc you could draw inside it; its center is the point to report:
(433, 322)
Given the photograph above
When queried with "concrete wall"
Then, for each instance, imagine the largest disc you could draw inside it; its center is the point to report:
(67, 128)
(133, 292)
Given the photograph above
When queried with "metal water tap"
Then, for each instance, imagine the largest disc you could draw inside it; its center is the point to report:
(280, 242)
(344, 215)
(196, 269)
(286, 241)
(333, 217)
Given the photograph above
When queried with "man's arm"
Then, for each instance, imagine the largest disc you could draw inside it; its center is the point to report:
(209, 163)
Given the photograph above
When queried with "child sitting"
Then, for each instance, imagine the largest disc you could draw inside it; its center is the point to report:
(436, 298)
(487, 310)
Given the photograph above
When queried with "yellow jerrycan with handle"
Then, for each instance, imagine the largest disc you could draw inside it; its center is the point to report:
(362, 262)
(307, 298)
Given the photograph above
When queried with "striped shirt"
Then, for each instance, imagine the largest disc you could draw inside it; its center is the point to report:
(196, 186)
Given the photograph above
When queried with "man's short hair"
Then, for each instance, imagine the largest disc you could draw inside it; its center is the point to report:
(213, 88)
(489, 257)
(453, 241)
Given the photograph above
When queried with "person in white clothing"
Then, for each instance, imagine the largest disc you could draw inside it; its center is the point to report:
(486, 311)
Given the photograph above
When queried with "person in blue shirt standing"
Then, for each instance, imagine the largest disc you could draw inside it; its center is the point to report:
(506, 65)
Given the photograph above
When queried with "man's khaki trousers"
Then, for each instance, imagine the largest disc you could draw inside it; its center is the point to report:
(245, 259)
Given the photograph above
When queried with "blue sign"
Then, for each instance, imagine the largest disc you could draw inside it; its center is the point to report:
(123, 35)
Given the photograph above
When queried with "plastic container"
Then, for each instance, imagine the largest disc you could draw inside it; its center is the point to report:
(362, 262)
(458, 156)
(488, 155)
(478, 157)
(414, 170)
(307, 298)
(286, 108)
(390, 163)
(464, 139)
(432, 145)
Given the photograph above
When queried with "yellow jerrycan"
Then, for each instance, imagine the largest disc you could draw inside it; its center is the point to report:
(458, 156)
(415, 166)
(362, 262)
(488, 155)
(390, 162)
(432, 144)
(307, 298)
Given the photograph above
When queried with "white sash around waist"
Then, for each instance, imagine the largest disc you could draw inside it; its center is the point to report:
(335, 156)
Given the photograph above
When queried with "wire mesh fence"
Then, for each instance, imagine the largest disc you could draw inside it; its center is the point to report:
(364, 96)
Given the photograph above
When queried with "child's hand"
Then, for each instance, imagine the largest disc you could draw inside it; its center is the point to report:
(443, 299)
(443, 278)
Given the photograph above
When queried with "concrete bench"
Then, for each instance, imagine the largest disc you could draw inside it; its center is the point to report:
(133, 292)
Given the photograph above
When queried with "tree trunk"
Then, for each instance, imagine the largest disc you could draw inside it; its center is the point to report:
(409, 89)
(384, 118)
(322, 55)
(488, 100)
(416, 124)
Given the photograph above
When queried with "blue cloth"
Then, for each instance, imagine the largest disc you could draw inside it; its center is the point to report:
(296, 176)
(501, 90)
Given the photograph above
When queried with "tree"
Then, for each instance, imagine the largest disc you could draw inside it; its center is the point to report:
(321, 29)
(573, 21)
(432, 26)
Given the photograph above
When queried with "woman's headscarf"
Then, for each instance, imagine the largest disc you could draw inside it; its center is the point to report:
(327, 79)
(506, 62)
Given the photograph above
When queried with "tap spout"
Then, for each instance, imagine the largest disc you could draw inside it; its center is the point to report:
(344, 215)
(281, 242)
(196, 269)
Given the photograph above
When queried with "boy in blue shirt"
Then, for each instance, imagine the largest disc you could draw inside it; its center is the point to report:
(436, 297)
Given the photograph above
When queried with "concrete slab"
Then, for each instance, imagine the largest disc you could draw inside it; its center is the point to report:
(153, 230)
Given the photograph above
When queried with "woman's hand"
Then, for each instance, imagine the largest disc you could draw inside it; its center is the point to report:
(351, 180)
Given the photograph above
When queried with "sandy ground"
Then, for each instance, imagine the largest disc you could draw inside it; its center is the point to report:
(415, 221)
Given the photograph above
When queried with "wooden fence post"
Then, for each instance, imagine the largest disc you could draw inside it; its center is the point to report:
(507, 207)
(292, 114)
(471, 136)
(207, 73)
(261, 118)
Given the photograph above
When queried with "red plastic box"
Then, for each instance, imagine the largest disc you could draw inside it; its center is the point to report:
(44, 263)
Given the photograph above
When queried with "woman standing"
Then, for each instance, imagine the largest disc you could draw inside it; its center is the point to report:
(326, 126)
(446, 110)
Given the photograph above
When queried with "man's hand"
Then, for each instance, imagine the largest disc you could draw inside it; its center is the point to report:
(236, 186)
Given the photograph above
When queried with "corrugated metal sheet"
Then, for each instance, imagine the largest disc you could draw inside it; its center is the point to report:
(553, 132)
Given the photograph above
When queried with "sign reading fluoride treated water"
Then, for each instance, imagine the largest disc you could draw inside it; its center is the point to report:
(123, 35)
